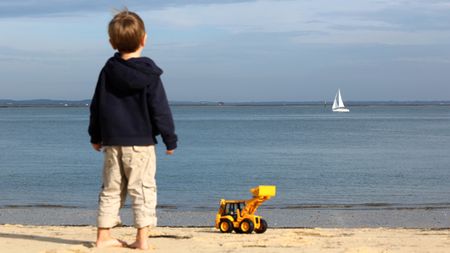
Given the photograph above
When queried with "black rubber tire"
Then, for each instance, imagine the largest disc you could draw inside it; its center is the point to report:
(225, 226)
(246, 226)
(262, 228)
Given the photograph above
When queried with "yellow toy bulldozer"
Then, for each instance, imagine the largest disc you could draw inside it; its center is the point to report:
(240, 214)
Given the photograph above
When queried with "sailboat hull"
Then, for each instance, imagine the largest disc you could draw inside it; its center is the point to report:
(341, 110)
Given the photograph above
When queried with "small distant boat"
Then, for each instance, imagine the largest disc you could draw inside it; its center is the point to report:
(338, 104)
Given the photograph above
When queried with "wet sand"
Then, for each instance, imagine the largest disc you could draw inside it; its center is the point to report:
(280, 218)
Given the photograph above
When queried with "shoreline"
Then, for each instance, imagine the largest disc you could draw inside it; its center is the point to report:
(276, 218)
(212, 227)
(317, 206)
(63, 239)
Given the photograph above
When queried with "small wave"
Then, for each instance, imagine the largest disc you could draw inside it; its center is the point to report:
(318, 206)
(356, 207)
(171, 207)
(164, 206)
(364, 206)
(36, 206)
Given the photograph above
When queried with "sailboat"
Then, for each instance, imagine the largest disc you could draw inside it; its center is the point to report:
(338, 104)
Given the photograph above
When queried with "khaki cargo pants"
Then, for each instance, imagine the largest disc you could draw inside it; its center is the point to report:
(128, 169)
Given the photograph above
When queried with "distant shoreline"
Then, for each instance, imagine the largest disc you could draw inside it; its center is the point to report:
(7, 103)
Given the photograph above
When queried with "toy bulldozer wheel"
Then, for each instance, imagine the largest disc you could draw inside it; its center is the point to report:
(246, 226)
(225, 226)
(262, 228)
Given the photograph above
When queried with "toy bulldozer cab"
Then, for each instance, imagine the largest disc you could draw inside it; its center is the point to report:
(239, 215)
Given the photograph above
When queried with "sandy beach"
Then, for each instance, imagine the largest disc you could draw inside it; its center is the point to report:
(62, 239)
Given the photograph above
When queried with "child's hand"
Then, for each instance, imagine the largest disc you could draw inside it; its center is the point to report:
(97, 146)
(169, 152)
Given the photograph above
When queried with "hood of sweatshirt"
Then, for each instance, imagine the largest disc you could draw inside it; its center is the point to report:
(130, 75)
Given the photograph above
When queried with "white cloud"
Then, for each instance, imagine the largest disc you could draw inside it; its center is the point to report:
(426, 60)
(376, 37)
(260, 16)
(341, 21)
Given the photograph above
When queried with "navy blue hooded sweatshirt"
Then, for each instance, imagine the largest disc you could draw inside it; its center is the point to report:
(130, 107)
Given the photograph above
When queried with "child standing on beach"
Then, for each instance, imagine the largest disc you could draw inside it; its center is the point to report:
(128, 110)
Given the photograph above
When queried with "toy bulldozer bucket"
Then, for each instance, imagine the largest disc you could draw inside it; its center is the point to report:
(267, 191)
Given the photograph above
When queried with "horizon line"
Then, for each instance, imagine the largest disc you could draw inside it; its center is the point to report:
(242, 101)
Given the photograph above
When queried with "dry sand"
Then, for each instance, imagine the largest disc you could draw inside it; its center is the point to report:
(73, 239)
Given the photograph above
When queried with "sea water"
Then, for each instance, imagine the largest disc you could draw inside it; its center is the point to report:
(388, 157)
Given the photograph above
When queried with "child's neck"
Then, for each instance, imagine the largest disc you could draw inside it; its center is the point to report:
(134, 54)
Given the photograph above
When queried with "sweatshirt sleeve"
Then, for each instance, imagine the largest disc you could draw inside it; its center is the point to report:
(94, 119)
(161, 115)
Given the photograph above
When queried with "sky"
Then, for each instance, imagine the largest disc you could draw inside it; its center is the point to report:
(236, 50)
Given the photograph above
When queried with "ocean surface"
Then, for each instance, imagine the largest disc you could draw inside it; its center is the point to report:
(373, 159)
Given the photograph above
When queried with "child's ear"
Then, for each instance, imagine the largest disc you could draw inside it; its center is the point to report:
(144, 40)
(112, 44)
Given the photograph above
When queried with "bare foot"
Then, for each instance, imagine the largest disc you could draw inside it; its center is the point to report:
(110, 243)
(142, 245)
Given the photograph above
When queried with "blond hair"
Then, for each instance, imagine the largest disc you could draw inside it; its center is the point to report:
(126, 31)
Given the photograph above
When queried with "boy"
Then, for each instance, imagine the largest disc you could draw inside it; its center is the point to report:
(129, 108)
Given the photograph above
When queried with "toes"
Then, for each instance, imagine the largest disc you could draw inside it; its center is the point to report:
(137, 245)
(111, 243)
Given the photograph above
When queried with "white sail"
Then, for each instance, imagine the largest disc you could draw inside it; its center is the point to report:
(338, 104)
(335, 104)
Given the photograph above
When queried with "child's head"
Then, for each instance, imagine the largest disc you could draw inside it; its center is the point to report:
(126, 32)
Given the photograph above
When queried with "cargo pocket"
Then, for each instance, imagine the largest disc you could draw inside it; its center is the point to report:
(146, 215)
(149, 191)
(149, 211)
(100, 193)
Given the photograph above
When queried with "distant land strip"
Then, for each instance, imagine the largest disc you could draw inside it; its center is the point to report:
(5, 103)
